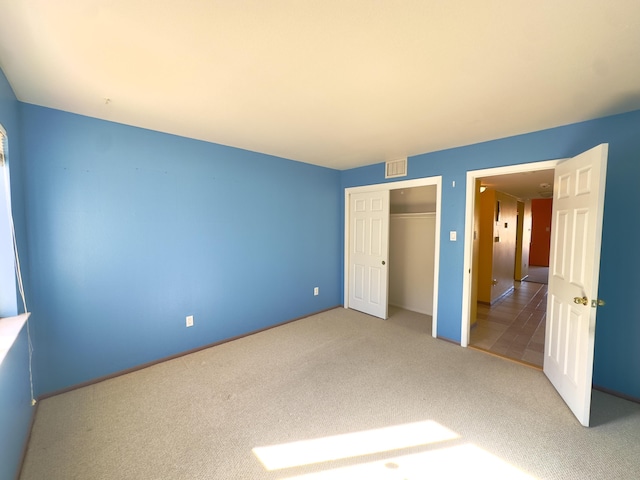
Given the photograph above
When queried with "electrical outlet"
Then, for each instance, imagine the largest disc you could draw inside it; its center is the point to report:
(316, 291)
(190, 321)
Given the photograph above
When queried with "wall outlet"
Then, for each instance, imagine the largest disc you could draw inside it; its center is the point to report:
(316, 291)
(190, 321)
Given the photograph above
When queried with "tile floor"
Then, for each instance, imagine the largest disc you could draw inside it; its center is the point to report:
(513, 327)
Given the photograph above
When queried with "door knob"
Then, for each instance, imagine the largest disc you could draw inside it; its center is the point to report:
(583, 300)
(383, 262)
(597, 303)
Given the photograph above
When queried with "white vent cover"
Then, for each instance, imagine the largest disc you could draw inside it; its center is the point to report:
(396, 168)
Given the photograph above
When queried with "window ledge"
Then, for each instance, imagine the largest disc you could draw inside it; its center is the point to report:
(10, 328)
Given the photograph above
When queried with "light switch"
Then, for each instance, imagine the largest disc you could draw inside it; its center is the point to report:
(453, 235)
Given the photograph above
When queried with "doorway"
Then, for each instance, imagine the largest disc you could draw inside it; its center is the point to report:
(474, 182)
(574, 270)
(388, 187)
(509, 311)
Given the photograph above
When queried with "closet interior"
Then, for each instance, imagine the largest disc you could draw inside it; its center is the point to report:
(412, 229)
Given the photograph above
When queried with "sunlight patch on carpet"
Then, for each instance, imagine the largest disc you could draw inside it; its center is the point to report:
(460, 461)
(352, 444)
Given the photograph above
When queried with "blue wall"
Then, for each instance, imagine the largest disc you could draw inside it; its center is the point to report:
(131, 230)
(617, 356)
(15, 397)
(15, 406)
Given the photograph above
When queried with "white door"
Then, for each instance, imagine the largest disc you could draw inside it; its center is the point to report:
(576, 231)
(368, 252)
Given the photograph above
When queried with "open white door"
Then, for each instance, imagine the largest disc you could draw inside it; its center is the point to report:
(576, 231)
(368, 252)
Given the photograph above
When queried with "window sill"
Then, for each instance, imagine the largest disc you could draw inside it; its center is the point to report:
(10, 328)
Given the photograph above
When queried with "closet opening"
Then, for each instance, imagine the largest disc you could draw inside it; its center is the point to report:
(392, 249)
(412, 249)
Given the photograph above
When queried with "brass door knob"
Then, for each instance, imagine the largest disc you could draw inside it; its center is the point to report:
(583, 300)
(597, 303)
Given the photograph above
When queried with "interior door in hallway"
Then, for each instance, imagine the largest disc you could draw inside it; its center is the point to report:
(368, 252)
(572, 301)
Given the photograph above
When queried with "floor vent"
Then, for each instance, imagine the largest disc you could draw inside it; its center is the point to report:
(396, 168)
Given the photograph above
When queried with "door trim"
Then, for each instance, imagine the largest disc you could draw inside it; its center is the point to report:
(468, 230)
(418, 182)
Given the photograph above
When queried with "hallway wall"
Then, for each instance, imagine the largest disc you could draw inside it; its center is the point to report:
(540, 231)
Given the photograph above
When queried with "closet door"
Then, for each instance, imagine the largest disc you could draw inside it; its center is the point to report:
(368, 252)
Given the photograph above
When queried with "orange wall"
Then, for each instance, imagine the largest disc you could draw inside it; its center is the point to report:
(504, 249)
(476, 255)
(497, 249)
(523, 239)
(485, 247)
(540, 231)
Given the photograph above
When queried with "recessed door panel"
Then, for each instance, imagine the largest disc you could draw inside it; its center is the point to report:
(377, 240)
(560, 238)
(374, 286)
(563, 186)
(579, 260)
(359, 276)
(359, 242)
(554, 320)
(572, 348)
(583, 181)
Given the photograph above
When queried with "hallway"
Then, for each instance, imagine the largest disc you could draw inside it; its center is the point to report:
(514, 326)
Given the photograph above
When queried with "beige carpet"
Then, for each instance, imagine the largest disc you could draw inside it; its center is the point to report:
(336, 395)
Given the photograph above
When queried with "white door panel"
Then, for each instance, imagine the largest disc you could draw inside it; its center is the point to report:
(575, 258)
(368, 254)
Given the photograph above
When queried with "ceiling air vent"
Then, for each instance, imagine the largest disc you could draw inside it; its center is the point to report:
(396, 168)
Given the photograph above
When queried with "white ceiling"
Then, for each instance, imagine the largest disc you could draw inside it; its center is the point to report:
(329, 82)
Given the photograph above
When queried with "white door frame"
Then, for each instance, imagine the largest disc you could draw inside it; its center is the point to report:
(418, 182)
(468, 230)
